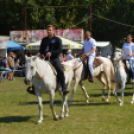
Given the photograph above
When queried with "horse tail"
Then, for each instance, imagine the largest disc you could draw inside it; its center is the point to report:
(112, 74)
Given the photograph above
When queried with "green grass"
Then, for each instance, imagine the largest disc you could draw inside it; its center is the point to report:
(19, 112)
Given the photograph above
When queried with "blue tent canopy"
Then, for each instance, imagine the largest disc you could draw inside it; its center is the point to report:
(11, 46)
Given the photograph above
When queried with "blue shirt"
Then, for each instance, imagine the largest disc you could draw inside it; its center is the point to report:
(88, 45)
(69, 57)
(3, 63)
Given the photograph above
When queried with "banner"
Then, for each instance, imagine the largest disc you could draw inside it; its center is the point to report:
(18, 37)
(73, 34)
(31, 36)
(59, 33)
(3, 42)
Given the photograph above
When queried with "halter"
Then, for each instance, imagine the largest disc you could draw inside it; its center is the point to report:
(120, 65)
(121, 54)
(38, 77)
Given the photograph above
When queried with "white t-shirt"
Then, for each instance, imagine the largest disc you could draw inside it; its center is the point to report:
(128, 49)
(69, 57)
(88, 45)
(16, 66)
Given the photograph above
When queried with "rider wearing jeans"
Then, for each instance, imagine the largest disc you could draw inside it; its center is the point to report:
(89, 50)
(129, 53)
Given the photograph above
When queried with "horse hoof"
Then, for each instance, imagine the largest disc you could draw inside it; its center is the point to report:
(131, 102)
(87, 101)
(61, 117)
(56, 118)
(120, 104)
(107, 100)
(39, 122)
(66, 115)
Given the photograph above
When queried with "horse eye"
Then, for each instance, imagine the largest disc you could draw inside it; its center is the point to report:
(31, 67)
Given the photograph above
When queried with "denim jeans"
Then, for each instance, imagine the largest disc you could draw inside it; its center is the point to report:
(8, 70)
(131, 62)
(90, 64)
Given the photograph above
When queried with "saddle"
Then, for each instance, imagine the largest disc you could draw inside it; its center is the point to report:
(53, 68)
(97, 62)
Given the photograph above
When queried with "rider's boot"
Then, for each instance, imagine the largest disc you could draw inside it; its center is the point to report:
(65, 90)
(91, 79)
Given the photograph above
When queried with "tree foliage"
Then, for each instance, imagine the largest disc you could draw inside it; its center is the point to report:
(12, 16)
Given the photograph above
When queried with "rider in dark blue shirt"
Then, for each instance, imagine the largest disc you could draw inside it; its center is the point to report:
(51, 47)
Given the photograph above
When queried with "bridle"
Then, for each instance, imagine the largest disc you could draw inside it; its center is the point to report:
(121, 55)
(120, 59)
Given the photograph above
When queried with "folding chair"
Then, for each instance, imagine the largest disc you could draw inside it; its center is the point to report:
(3, 75)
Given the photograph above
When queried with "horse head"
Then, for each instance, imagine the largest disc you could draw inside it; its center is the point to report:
(30, 68)
(118, 54)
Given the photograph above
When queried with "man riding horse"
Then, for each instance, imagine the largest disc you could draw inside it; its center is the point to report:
(50, 49)
(89, 47)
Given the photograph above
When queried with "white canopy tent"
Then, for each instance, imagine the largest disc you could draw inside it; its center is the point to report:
(105, 47)
(67, 44)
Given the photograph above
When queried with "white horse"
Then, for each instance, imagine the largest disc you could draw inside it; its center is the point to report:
(105, 68)
(120, 76)
(44, 81)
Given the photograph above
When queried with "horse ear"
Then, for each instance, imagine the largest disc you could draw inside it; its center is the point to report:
(25, 56)
(34, 58)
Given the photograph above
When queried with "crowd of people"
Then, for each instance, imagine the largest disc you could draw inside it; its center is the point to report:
(11, 65)
(66, 57)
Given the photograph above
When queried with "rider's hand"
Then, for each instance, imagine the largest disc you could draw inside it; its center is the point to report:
(130, 55)
(87, 54)
(48, 54)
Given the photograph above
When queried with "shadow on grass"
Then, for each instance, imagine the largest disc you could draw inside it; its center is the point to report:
(90, 104)
(36, 102)
(9, 119)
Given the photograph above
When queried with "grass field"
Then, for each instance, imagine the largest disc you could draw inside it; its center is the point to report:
(19, 112)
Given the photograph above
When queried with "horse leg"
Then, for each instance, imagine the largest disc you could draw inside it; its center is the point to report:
(52, 95)
(122, 93)
(74, 89)
(85, 91)
(133, 94)
(108, 78)
(39, 97)
(63, 106)
(103, 81)
(66, 106)
(115, 93)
